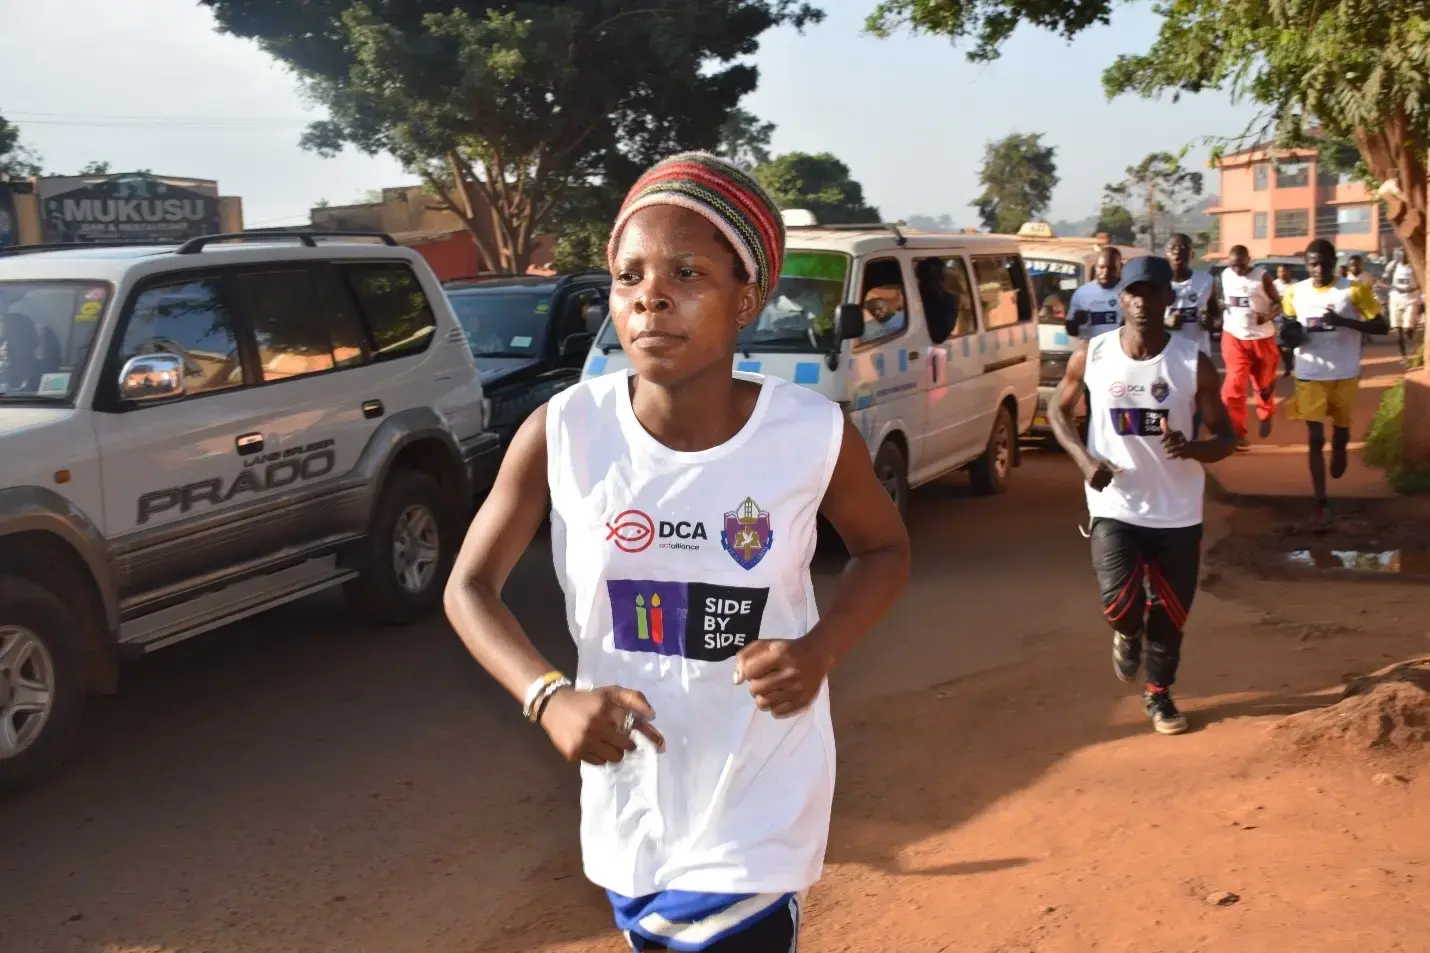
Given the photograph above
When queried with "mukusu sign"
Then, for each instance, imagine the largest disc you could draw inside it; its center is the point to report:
(135, 207)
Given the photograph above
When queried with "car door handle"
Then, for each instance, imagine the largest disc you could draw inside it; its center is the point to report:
(372, 409)
(248, 443)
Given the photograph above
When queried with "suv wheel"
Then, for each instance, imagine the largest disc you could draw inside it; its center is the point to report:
(893, 473)
(409, 551)
(42, 691)
(989, 472)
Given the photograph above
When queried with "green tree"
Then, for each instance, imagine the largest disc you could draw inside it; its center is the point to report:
(1160, 189)
(16, 160)
(504, 109)
(745, 139)
(94, 168)
(1118, 223)
(819, 183)
(1342, 68)
(1018, 177)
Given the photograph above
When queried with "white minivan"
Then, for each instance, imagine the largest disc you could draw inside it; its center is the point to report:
(1057, 268)
(850, 318)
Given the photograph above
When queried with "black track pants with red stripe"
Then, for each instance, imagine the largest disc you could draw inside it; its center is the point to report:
(1148, 579)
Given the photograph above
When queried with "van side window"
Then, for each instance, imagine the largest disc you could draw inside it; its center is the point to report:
(886, 312)
(947, 297)
(1002, 288)
(187, 318)
(292, 324)
(395, 307)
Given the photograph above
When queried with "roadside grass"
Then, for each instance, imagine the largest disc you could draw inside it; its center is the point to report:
(1384, 442)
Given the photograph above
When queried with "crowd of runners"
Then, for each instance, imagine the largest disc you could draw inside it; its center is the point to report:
(699, 708)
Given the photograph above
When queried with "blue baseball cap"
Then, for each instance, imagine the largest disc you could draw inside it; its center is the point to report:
(1149, 269)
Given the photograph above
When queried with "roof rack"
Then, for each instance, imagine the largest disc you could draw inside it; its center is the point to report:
(854, 227)
(195, 245)
(70, 246)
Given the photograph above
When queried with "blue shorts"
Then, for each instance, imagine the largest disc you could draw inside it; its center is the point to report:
(709, 922)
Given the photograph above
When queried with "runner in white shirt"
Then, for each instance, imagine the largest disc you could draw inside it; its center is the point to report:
(1096, 308)
(1144, 477)
(1404, 297)
(683, 504)
(1195, 307)
(1330, 316)
(1248, 342)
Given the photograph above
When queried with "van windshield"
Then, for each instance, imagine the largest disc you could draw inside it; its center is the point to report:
(46, 329)
(1054, 282)
(800, 315)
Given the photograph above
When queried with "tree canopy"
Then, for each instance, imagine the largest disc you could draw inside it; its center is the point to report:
(504, 109)
(820, 183)
(745, 139)
(1118, 223)
(1018, 177)
(1344, 68)
(16, 160)
(1160, 189)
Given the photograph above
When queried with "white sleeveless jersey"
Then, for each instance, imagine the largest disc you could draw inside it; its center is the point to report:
(1128, 400)
(1402, 279)
(1327, 354)
(1243, 294)
(671, 562)
(1193, 296)
(1103, 305)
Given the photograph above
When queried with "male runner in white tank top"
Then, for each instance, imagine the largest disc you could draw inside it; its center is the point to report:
(1144, 477)
(1195, 306)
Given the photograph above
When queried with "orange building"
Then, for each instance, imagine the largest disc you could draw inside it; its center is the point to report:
(1276, 201)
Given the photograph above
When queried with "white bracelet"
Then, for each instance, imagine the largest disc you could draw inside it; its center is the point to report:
(539, 707)
(539, 690)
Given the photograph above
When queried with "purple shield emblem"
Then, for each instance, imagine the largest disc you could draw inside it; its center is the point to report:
(747, 535)
(1161, 389)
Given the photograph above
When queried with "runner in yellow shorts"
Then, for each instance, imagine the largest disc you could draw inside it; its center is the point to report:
(1332, 312)
(1314, 401)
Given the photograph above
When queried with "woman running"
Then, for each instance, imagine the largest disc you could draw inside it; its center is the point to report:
(683, 501)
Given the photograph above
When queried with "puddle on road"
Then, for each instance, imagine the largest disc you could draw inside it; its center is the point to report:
(1388, 561)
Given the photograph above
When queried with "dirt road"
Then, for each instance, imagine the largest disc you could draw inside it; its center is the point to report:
(303, 782)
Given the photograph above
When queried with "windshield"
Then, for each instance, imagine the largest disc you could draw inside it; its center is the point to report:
(1053, 285)
(503, 322)
(800, 315)
(46, 328)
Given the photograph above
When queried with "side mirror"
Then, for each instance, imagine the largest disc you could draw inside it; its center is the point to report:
(152, 377)
(576, 345)
(849, 322)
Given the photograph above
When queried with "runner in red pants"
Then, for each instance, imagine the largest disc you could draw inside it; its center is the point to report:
(1248, 342)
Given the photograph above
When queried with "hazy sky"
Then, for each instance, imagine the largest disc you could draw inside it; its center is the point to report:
(153, 86)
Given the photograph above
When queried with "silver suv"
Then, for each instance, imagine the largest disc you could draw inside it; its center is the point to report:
(196, 433)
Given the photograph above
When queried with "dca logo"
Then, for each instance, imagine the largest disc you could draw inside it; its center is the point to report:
(633, 531)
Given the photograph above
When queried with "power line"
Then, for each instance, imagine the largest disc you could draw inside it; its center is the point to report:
(80, 119)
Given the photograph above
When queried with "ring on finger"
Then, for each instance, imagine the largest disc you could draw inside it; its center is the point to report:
(628, 723)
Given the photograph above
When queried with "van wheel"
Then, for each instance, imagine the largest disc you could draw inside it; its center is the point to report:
(893, 472)
(408, 553)
(990, 472)
(42, 689)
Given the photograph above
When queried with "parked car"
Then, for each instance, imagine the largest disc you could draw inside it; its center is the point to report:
(848, 319)
(529, 336)
(196, 433)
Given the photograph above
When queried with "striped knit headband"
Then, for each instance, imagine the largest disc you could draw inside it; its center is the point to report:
(730, 199)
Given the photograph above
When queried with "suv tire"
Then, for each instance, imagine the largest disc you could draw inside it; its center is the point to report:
(408, 553)
(989, 472)
(893, 472)
(40, 653)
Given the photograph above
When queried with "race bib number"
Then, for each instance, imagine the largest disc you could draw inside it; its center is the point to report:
(1235, 302)
(1137, 421)
(1185, 315)
(1317, 323)
(1102, 317)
